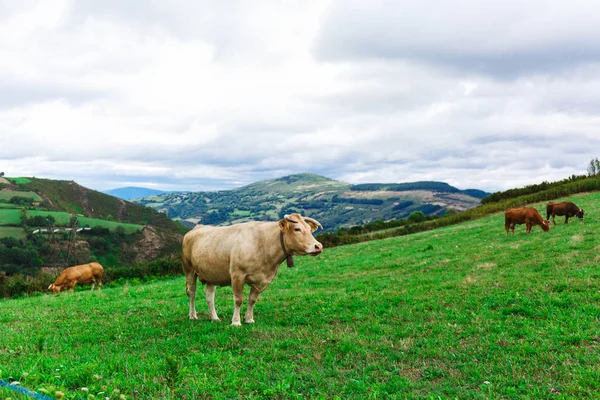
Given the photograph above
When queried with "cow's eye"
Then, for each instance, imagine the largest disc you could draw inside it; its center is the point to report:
(297, 229)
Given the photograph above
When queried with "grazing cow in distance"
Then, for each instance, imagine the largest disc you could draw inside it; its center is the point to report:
(525, 215)
(248, 253)
(566, 208)
(81, 274)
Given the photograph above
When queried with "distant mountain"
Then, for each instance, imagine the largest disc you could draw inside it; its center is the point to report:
(335, 204)
(133, 192)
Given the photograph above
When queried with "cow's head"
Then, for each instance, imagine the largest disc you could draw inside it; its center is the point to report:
(545, 225)
(580, 213)
(297, 235)
(54, 289)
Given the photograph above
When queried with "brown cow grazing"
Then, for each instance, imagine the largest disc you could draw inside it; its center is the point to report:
(248, 253)
(566, 208)
(526, 215)
(71, 276)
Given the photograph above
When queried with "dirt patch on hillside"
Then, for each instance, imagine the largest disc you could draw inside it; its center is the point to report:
(78, 253)
(153, 244)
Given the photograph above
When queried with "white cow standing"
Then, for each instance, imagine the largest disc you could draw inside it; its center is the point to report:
(248, 253)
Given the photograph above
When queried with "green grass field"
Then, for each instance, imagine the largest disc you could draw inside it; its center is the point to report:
(13, 217)
(10, 216)
(9, 205)
(6, 231)
(459, 312)
(6, 195)
(19, 181)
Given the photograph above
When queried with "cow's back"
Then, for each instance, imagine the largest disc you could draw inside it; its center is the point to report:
(515, 216)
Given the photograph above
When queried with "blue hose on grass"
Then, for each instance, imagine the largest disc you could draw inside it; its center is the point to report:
(24, 391)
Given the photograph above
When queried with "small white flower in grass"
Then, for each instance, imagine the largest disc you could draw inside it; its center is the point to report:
(84, 389)
(486, 382)
(15, 383)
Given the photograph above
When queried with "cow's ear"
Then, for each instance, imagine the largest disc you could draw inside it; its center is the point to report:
(283, 224)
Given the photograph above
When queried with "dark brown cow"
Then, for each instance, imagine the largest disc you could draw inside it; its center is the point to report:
(566, 208)
(525, 215)
(71, 276)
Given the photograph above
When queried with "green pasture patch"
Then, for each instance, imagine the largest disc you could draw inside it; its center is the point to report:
(19, 181)
(458, 312)
(10, 231)
(10, 205)
(241, 213)
(92, 222)
(6, 195)
(60, 217)
(10, 216)
(13, 217)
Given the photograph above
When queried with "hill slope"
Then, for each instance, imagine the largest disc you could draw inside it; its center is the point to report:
(68, 196)
(155, 233)
(333, 203)
(459, 312)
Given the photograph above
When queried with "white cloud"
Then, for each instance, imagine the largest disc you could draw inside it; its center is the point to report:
(202, 95)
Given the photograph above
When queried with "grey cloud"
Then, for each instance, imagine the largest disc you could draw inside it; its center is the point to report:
(502, 38)
(17, 93)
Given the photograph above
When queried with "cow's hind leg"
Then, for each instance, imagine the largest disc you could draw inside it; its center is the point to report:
(237, 284)
(190, 290)
(209, 293)
(249, 318)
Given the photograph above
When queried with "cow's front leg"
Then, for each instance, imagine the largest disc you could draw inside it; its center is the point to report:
(566, 219)
(237, 284)
(209, 292)
(254, 293)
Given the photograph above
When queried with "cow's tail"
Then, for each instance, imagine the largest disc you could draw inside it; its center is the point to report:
(186, 262)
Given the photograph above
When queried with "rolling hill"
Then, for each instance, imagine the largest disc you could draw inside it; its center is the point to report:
(462, 312)
(45, 203)
(335, 204)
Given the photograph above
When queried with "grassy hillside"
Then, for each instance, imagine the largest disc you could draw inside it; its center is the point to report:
(458, 312)
(333, 203)
(72, 198)
(27, 204)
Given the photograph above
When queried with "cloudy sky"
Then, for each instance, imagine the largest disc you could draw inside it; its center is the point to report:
(204, 95)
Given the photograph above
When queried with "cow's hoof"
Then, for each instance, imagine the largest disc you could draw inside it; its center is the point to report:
(215, 319)
(192, 317)
(250, 321)
(236, 323)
